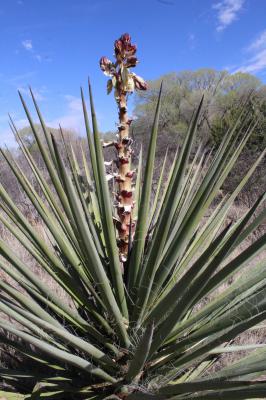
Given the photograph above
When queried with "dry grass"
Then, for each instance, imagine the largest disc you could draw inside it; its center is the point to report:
(27, 259)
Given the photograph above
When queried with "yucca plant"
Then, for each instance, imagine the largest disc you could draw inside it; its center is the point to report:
(149, 312)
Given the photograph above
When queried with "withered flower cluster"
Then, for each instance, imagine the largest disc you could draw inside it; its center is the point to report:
(124, 82)
(125, 58)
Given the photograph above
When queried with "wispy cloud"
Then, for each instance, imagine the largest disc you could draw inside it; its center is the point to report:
(73, 117)
(38, 57)
(227, 12)
(27, 44)
(19, 80)
(256, 51)
(6, 136)
(259, 42)
(192, 41)
(39, 94)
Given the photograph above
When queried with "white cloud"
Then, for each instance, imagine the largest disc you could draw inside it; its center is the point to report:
(19, 80)
(255, 64)
(192, 40)
(38, 57)
(6, 135)
(7, 138)
(73, 117)
(259, 42)
(74, 103)
(227, 12)
(38, 93)
(256, 51)
(27, 44)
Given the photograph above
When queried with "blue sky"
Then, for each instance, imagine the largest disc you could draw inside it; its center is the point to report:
(54, 45)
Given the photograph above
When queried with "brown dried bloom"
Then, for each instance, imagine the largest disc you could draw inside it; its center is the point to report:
(107, 66)
(124, 82)
(140, 84)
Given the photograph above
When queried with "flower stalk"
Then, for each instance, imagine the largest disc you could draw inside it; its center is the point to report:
(124, 82)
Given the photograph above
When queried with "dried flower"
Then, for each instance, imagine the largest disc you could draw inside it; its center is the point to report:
(140, 84)
(125, 38)
(126, 193)
(130, 49)
(130, 174)
(123, 160)
(118, 47)
(131, 61)
(107, 66)
(124, 48)
(130, 85)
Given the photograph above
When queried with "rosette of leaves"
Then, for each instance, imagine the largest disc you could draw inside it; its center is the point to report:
(158, 328)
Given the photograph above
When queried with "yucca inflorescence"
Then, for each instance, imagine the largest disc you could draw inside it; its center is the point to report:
(149, 311)
(124, 83)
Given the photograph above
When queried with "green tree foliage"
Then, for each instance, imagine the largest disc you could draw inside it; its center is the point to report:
(224, 93)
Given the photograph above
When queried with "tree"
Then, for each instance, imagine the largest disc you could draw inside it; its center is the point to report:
(224, 94)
